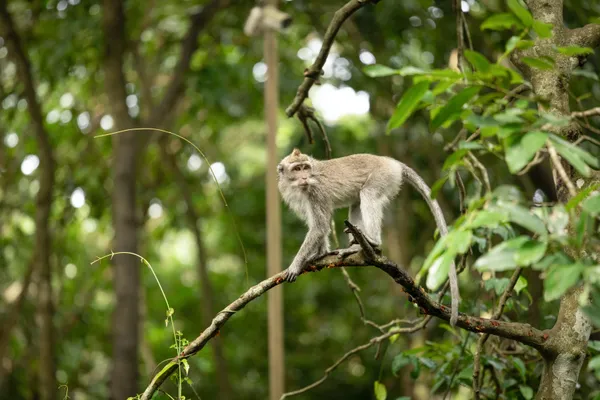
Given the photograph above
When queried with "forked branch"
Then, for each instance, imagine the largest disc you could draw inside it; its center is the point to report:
(521, 332)
(312, 74)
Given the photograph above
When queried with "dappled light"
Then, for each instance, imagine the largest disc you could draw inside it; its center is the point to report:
(191, 206)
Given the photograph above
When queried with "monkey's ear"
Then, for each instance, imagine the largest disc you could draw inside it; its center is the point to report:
(280, 168)
(296, 152)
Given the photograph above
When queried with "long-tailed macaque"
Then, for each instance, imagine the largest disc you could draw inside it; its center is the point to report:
(363, 182)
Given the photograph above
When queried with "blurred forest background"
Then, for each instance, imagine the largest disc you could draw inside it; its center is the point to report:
(73, 69)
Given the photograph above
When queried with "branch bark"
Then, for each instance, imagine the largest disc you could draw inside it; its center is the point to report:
(521, 332)
(565, 349)
(46, 170)
(312, 74)
(189, 44)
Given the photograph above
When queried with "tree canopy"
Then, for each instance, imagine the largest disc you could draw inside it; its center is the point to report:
(120, 248)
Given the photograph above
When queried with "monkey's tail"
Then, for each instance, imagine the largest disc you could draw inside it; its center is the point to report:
(418, 183)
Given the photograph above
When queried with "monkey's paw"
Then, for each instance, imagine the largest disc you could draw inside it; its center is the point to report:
(291, 274)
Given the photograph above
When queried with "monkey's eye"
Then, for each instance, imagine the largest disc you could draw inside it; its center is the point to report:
(306, 166)
(296, 168)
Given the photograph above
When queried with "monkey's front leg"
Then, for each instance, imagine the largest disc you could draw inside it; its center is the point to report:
(314, 243)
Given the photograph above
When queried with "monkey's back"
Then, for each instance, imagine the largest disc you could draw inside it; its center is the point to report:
(345, 177)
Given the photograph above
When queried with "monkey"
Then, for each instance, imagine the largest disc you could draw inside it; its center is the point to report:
(365, 183)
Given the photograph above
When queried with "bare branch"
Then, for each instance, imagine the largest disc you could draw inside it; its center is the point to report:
(189, 45)
(560, 169)
(312, 74)
(497, 314)
(586, 113)
(376, 340)
(521, 332)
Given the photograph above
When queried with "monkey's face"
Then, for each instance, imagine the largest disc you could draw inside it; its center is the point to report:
(296, 170)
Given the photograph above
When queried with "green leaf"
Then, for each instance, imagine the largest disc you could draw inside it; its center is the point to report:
(407, 104)
(502, 256)
(526, 391)
(520, 285)
(572, 51)
(501, 21)
(582, 195)
(569, 152)
(490, 219)
(377, 70)
(539, 63)
(454, 158)
(558, 220)
(399, 362)
(520, 366)
(416, 371)
(521, 12)
(438, 273)
(521, 150)
(454, 106)
(530, 252)
(510, 116)
(594, 363)
(498, 284)
(560, 278)
(594, 345)
(592, 205)
(587, 157)
(380, 391)
(437, 186)
(543, 29)
(477, 60)
(522, 216)
(587, 74)
(458, 241)
(559, 258)
(512, 43)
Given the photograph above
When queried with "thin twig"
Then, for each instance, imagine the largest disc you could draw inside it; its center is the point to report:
(583, 138)
(459, 358)
(561, 171)
(313, 73)
(482, 339)
(586, 113)
(484, 174)
(373, 341)
(536, 160)
(521, 332)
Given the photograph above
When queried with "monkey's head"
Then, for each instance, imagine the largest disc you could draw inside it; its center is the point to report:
(296, 170)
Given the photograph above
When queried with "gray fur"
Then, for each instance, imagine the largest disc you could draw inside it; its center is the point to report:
(365, 183)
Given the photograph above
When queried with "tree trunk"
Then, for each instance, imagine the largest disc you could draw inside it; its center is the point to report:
(565, 349)
(126, 274)
(47, 166)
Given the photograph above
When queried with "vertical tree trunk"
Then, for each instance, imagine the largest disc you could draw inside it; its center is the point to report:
(566, 347)
(126, 273)
(47, 166)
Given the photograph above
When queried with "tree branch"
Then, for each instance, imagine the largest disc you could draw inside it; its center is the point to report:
(312, 74)
(521, 332)
(587, 36)
(189, 45)
(372, 342)
(586, 113)
(482, 339)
